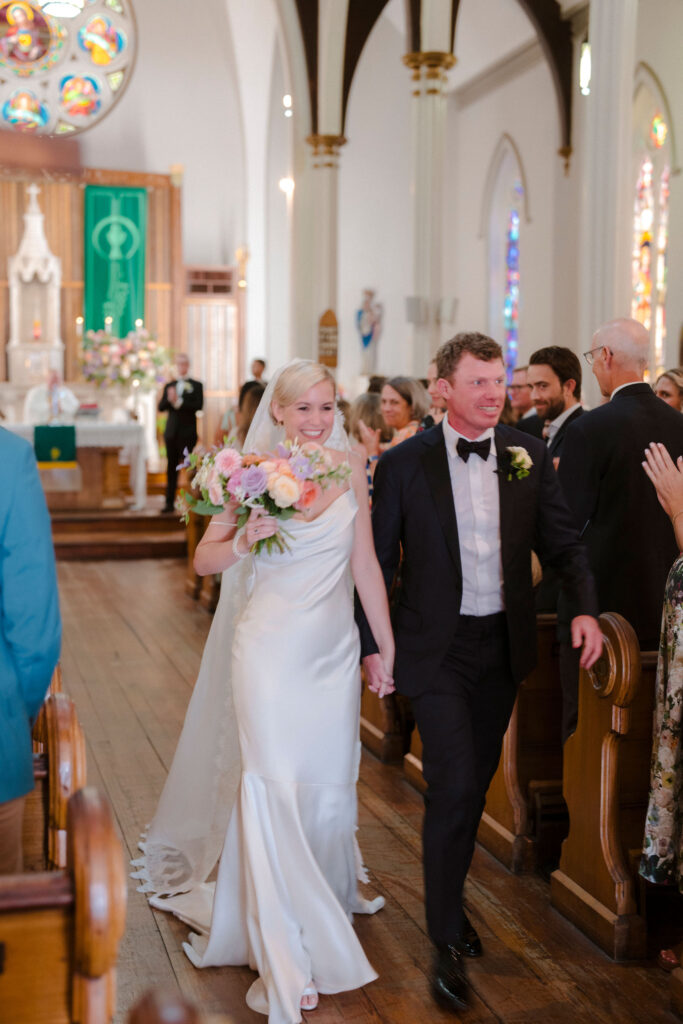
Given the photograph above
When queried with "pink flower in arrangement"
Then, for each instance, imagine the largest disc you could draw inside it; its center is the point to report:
(310, 447)
(310, 492)
(234, 484)
(213, 486)
(227, 460)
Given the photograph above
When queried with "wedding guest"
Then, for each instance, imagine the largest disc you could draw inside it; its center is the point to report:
(438, 406)
(52, 402)
(182, 399)
(30, 632)
(669, 388)
(375, 384)
(366, 426)
(258, 368)
(519, 393)
(630, 543)
(662, 858)
(404, 404)
(554, 378)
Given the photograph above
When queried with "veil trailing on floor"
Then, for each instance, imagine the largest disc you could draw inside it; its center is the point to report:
(184, 840)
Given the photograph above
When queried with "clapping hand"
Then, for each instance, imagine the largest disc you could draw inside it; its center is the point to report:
(369, 438)
(172, 394)
(666, 476)
(378, 676)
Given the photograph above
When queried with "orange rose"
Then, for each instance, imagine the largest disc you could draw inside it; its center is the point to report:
(310, 492)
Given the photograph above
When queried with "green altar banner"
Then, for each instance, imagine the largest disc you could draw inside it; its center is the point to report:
(55, 447)
(114, 257)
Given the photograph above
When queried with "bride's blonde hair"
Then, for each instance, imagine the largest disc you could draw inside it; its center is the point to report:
(295, 380)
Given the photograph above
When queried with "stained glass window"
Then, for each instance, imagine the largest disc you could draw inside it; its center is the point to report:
(60, 75)
(649, 257)
(511, 299)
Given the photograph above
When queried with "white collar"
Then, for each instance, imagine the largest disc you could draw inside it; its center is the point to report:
(628, 384)
(559, 420)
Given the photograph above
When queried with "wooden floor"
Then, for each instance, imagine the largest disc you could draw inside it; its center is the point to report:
(132, 645)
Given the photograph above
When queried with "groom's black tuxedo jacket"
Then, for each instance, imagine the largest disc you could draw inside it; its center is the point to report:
(181, 425)
(630, 541)
(413, 511)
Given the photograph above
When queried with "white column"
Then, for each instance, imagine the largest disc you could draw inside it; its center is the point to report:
(325, 241)
(429, 127)
(607, 207)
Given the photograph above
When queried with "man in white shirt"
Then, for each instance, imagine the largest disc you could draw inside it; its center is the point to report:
(554, 377)
(52, 402)
(465, 501)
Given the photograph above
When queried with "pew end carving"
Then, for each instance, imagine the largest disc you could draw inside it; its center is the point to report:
(61, 930)
(58, 773)
(606, 787)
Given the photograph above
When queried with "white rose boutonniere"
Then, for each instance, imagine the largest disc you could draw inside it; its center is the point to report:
(187, 388)
(520, 461)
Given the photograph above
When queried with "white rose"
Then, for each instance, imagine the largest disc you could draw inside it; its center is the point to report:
(520, 457)
(284, 491)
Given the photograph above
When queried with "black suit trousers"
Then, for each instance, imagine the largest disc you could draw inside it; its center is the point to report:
(462, 719)
(175, 447)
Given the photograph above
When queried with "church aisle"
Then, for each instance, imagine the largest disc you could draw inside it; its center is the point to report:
(132, 646)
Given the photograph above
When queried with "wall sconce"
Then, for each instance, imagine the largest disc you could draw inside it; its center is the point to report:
(176, 172)
(585, 69)
(286, 186)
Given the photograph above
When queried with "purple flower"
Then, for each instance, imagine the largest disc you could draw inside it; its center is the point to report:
(254, 481)
(283, 451)
(186, 461)
(301, 467)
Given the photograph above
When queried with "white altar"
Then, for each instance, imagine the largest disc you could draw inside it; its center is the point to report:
(130, 437)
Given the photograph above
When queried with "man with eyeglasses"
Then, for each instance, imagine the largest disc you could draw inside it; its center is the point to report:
(519, 394)
(630, 542)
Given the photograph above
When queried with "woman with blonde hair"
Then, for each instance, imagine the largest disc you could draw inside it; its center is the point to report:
(270, 770)
(669, 388)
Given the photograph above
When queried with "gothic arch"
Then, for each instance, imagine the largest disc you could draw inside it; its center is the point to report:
(506, 146)
(646, 78)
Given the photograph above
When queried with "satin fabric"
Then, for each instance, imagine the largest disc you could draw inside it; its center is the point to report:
(287, 879)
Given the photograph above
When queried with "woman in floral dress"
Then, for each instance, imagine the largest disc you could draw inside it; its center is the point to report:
(662, 858)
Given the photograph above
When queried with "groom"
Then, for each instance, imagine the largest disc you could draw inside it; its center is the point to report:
(466, 502)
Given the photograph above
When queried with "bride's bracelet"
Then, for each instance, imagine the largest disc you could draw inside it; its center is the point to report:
(235, 548)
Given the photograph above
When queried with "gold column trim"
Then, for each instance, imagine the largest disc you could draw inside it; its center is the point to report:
(326, 145)
(433, 60)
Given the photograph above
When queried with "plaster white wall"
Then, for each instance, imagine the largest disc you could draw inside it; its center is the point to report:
(375, 204)
(182, 107)
(475, 125)
(278, 346)
(659, 33)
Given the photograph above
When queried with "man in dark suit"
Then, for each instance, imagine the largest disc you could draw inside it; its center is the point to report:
(466, 502)
(519, 394)
(182, 399)
(630, 543)
(554, 377)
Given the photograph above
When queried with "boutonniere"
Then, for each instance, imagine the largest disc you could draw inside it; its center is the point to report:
(520, 461)
(187, 387)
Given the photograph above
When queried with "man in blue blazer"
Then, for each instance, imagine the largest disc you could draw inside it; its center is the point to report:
(30, 631)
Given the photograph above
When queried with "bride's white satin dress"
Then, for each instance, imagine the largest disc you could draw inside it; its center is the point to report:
(287, 879)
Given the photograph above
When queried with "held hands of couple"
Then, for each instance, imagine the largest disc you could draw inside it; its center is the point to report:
(378, 675)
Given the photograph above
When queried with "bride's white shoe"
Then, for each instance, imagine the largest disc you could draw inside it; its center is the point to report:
(309, 998)
(363, 906)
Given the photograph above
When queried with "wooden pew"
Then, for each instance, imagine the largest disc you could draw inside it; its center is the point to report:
(58, 773)
(196, 525)
(676, 989)
(530, 764)
(60, 930)
(606, 787)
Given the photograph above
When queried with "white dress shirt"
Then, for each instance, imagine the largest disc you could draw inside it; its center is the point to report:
(477, 510)
(555, 424)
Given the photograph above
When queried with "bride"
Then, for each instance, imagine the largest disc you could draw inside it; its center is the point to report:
(269, 771)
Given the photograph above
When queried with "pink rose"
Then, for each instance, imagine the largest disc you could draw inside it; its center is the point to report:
(310, 492)
(213, 486)
(309, 447)
(235, 482)
(227, 460)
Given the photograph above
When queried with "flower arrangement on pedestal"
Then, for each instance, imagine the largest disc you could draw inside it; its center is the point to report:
(138, 360)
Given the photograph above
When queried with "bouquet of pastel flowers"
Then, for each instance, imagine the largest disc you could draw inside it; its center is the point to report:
(283, 482)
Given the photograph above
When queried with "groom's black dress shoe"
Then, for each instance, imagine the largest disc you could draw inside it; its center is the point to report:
(469, 940)
(449, 983)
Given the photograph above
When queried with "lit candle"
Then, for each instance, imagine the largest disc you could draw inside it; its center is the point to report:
(138, 324)
(79, 326)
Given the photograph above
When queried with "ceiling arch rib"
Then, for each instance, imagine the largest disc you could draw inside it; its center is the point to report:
(555, 36)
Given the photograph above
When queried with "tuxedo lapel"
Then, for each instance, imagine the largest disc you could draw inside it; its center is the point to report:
(435, 465)
(505, 497)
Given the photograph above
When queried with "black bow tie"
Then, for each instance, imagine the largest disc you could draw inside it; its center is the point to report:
(465, 448)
